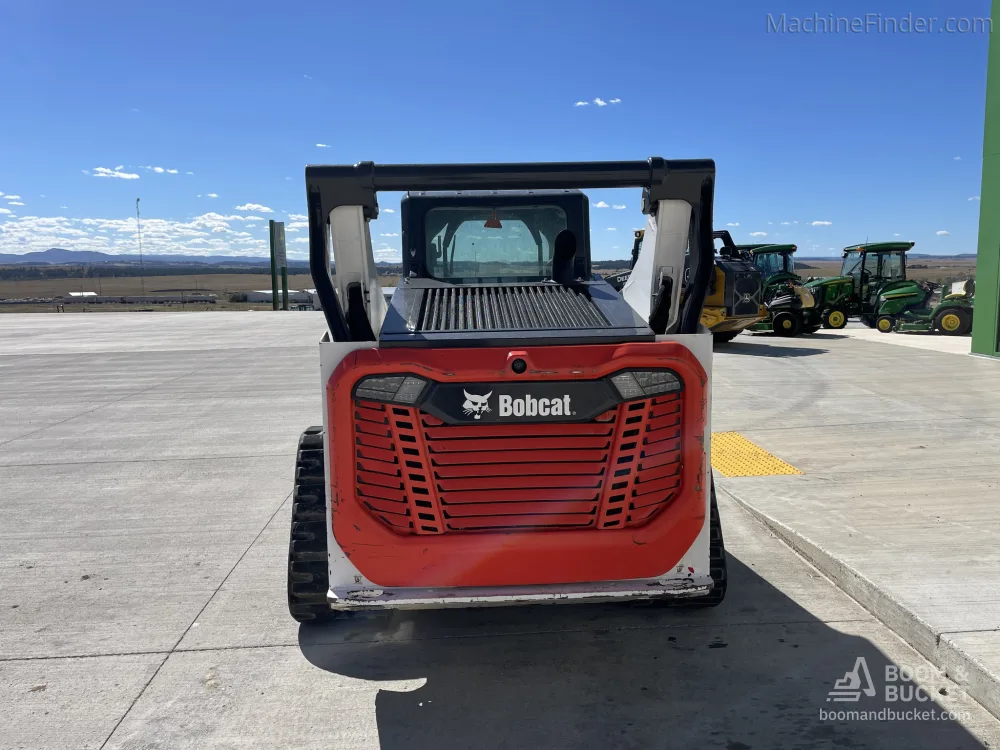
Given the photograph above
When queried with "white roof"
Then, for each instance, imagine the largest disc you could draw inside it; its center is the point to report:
(83, 294)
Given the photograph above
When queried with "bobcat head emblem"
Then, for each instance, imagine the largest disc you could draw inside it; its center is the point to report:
(476, 405)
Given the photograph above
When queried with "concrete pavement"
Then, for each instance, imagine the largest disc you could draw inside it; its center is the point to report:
(899, 493)
(144, 477)
(929, 341)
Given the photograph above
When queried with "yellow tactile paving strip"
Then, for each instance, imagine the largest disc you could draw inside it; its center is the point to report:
(735, 456)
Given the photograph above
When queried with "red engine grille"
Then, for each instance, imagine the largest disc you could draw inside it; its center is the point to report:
(421, 476)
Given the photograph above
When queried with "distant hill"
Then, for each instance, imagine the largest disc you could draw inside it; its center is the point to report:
(59, 256)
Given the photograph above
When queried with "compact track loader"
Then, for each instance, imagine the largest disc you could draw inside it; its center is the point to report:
(507, 428)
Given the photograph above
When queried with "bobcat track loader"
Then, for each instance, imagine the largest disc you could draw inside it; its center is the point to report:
(507, 428)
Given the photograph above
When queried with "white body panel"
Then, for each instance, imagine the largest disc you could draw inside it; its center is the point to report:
(662, 254)
(355, 261)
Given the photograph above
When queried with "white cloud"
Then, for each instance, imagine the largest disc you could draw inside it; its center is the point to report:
(171, 171)
(389, 234)
(12, 197)
(189, 173)
(612, 229)
(158, 170)
(212, 195)
(619, 206)
(206, 234)
(795, 222)
(897, 234)
(581, 104)
(116, 172)
(14, 203)
(301, 240)
(821, 223)
(758, 234)
(322, 145)
(63, 207)
(957, 158)
(615, 101)
(253, 218)
(389, 210)
(942, 233)
(600, 204)
(786, 223)
(387, 255)
(974, 198)
(6, 211)
(297, 217)
(733, 224)
(251, 226)
(770, 222)
(600, 102)
(250, 207)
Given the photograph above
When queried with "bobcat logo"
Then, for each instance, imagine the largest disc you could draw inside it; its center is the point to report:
(476, 405)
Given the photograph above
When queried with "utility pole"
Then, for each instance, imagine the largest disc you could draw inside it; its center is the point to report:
(142, 269)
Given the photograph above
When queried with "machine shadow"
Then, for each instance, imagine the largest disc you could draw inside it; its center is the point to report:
(753, 673)
(766, 350)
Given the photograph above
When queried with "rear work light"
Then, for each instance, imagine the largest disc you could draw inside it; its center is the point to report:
(642, 383)
(396, 389)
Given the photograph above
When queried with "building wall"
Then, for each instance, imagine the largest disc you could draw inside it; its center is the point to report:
(986, 326)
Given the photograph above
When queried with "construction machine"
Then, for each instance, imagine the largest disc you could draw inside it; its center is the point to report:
(733, 303)
(790, 306)
(507, 428)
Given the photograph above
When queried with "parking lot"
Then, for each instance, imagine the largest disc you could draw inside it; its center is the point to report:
(145, 472)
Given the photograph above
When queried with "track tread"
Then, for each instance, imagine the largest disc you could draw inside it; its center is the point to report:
(308, 579)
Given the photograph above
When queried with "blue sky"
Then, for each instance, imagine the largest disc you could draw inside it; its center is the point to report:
(874, 135)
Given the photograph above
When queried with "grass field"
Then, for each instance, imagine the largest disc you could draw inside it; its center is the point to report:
(937, 269)
(223, 285)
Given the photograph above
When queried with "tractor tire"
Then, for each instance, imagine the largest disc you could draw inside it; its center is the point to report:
(716, 559)
(725, 336)
(787, 324)
(308, 578)
(885, 324)
(835, 319)
(953, 321)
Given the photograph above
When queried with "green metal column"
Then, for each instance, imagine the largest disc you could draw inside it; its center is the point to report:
(986, 325)
(274, 267)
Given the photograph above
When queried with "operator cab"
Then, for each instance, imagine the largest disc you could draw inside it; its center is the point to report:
(772, 260)
(872, 266)
(513, 263)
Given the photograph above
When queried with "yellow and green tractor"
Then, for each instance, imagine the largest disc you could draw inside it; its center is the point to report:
(873, 287)
(790, 306)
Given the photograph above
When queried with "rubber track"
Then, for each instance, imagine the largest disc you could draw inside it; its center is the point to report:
(308, 580)
(716, 558)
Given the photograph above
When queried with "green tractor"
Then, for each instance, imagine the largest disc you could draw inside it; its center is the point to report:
(873, 287)
(790, 306)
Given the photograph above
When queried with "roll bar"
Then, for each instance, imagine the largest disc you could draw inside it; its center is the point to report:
(329, 187)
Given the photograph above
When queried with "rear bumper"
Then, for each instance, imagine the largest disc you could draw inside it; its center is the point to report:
(355, 599)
